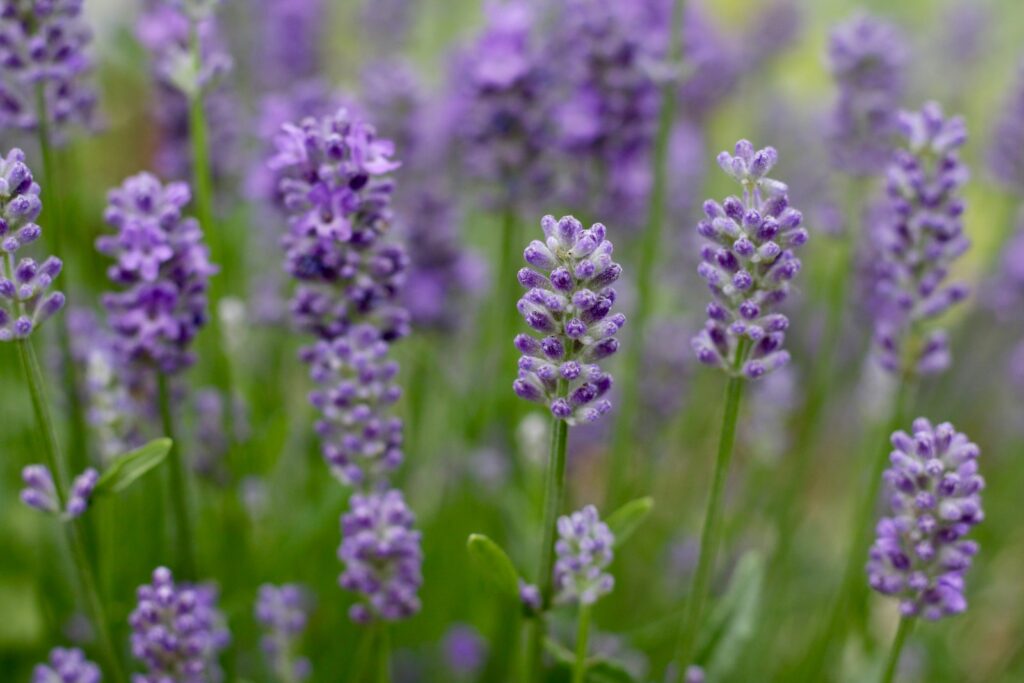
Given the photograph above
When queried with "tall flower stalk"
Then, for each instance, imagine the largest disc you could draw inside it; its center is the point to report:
(748, 262)
(569, 301)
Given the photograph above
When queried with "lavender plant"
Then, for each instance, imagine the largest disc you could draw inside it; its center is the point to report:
(66, 666)
(283, 611)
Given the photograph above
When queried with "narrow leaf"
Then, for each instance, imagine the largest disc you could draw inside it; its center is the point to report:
(624, 521)
(127, 467)
(495, 565)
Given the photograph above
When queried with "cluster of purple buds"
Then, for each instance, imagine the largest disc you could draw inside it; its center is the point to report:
(163, 265)
(569, 300)
(919, 241)
(66, 665)
(362, 444)
(583, 552)
(177, 631)
(867, 58)
(748, 262)
(40, 491)
(382, 557)
(289, 43)
(284, 611)
(166, 31)
(25, 299)
(1006, 151)
(336, 190)
(43, 45)
(921, 555)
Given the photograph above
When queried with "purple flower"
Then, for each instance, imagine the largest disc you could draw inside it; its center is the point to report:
(66, 665)
(382, 557)
(583, 552)
(529, 596)
(867, 58)
(43, 44)
(1006, 151)
(568, 300)
(165, 30)
(337, 192)
(1004, 293)
(163, 266)
(39, 492)
(25, 299)
(177, 631)
(921, 237)
(361, 442)
(393, 93)
(464, 650)
(284, 611)
(290, 40)
(921, 555)
(748, 261)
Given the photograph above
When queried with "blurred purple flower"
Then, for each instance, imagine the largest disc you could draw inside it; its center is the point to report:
(289, 40)
(464, 650)
(583, 552)
(66, 666)
(283, 611)
(1006, 151)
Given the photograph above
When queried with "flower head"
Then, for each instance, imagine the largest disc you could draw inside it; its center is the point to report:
(284, 611)
(25, 299)
(177, 631)
(920, 238)
(40, 492)
(163, 266)
(569, 300)
(382, 557)
(43, 45)
(583, 552)
(867, 58)
(921, 553)
(66, 665)
(464, 650)
(748, 261)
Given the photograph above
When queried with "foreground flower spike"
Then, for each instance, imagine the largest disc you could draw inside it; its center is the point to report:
(569, 301)
(163, 265)
(43, 45)
(584, 551)
(1006, 152)
(177, 631)
(284, 611)
(748, 263)
(921, 237)
(40, 492)
(66, 665)
(382, 557)
(867, 58)
(25, 299)
(921, 553)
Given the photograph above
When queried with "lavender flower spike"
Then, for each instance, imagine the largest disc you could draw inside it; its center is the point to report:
(177, 631)
(382, 557)
(25, 299)
(66, 665)
(584, 551)
(1006, 152)
(921, 555)
(920, 239)
(43, 45)
(163, 265)
(41, 494)
(283, 610)
(748, 262)
(569, 301)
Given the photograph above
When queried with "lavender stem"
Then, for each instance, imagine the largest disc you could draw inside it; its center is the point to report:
(580, 668)
(54, 460)
(906, 626)
(177, 483)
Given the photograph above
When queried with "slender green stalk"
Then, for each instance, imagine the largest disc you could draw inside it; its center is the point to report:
(509, 260)
(906, 626)
(619, 481)
(382, 665)
(579, 669)
(554, 491)
(853, 585)
(54, 460)
(711, 533)
(177, 485)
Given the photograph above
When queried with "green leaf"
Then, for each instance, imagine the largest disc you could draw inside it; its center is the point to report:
(495, 565)
(624, 521)
(127, 467)
(733, 621)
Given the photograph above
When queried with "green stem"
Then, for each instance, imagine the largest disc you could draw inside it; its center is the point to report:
(906, 626)
(508, 318)
(579, 670)
(852, 586)
(553, 493)
(54, 460)
(382, 665)
(178, 485)
(711, 533)
(619, 484)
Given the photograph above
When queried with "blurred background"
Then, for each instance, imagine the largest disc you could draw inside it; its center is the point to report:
(752, 69)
